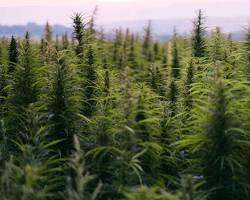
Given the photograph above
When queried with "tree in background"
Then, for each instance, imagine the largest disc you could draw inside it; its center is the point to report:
(198, 37)
(89, 87)
(79, 33)
(132, 57)
(156, 49)
(247, 48)
(24, 91)
(175, 75)
(91, 24)
(48, 34)
(217, 51)
(147, 43)
(13, 55)
(124, 57)
(64, 104)
(65, 41)
(189, 80)
(1, 54)
(117, 47)
(57, 43)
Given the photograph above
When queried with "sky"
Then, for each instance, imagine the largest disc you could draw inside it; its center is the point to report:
(60, 11)
(82, 2)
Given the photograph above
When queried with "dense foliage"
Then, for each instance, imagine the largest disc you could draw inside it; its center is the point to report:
(125, 117)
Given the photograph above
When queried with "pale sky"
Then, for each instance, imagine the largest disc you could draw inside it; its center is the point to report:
(82, 2)
(60, 11)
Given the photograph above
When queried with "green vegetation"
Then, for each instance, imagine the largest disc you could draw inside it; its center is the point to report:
(129, 117)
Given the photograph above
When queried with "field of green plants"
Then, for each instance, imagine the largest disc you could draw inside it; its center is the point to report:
(95, 117)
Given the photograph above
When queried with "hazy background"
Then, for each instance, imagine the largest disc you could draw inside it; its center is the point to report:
(231, 15)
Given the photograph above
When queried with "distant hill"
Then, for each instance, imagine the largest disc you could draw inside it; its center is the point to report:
(34, 29)
(162, 29)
